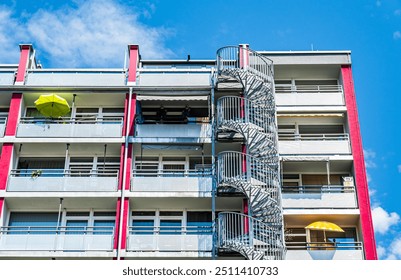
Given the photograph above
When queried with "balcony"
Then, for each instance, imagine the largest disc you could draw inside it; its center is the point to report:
(172, 77)
(173, 133)
(324, 251)
(7, 77)
(107, 127)
(321, 196)
(76, 77)
(59, 180)
(307, 144)
(309, 95)
(172, 183)
(64, 239)
(3, 121)
(170, 241)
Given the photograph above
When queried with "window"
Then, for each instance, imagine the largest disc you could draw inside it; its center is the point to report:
(321, 129)
(32, 223)
(171, 222)
(199, 223)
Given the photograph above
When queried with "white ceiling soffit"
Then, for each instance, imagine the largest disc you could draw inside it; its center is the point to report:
(172, 98)
(310, 115)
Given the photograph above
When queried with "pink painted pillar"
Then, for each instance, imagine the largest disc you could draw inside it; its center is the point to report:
(133, 52)
(125, 177)
(5, 163)
(245, 210)
(13, 114)
(359, 165)
(26, 51)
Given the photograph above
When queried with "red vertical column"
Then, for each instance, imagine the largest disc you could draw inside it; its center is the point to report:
(126, 151)
(133, 52)
(359, 165)
(7, 150)
(23, 63)
(13, 114)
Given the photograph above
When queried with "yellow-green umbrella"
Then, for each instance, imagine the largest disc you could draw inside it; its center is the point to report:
(324, 226)
(52, 105)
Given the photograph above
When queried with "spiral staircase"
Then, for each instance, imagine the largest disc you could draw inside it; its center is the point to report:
(255, 173)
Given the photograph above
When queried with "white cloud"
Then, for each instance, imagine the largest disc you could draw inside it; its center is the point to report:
(397, 35)
(395, 248)
(369, 158)
(382, 220)
(381, 252)
(93, 33)
(12, 33)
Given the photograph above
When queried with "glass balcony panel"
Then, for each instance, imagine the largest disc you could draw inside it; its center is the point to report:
(67, 127)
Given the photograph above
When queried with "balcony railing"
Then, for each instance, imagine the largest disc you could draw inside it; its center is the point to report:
(69, 238)
(76, 77)
(196, 181)
(308, 88)
(60, 180)
(206, 172)
(314, 189)
(3, 121)
(319, 197)
(314, 137)
(330, 143)
(341, 245)
(70, 127)
(170, 239)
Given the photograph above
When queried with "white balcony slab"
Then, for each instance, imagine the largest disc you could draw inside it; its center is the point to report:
(170, 243)
(309, 99)
(7, 78)
(324, 255)
(77, 78)
(172, 186)
(319, 200)
(159, 133)
(310, 147)
(62, 184)
(178, 79)
(62, 242)
(54, 130)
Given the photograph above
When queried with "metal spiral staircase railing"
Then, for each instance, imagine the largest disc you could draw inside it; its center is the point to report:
(256, 172)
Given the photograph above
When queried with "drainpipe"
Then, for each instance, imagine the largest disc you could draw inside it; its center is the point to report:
(127, 128)
(214, 179)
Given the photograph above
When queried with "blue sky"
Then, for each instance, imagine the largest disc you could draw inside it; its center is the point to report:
(95, 33)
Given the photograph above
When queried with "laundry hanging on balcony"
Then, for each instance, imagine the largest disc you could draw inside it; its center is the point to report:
(52, 105)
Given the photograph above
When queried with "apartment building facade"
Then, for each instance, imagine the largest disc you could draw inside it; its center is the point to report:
(227, 158)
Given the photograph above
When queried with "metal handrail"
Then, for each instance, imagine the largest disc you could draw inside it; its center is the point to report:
(240, 231)
(34, 173)
(243, 110)
(237, 166)
(311, 137)
(280, 89)
(307, 189)
(229, 57)
(79, 120)
(57, 230)
(156, 230)
(77, 71)
(324, 245)
(172, 172)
